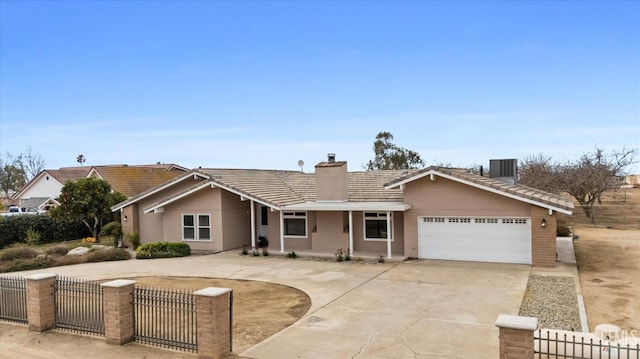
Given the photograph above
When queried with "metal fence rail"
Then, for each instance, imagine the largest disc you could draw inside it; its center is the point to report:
(13, 299)
(79, 305)
(547, 345)
(165, 318)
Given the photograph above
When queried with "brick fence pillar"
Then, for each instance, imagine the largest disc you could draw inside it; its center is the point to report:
(516, 336)
(213, 310)
(117, 297)
(41, 310)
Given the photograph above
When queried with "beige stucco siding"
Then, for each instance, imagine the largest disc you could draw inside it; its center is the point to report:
(330, 234)
(375, 246)
(444, 197)
(235, 221)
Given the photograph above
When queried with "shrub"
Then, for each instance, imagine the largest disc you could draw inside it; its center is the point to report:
(110, 254)
(340, 255)
(245, 250)
(562, 230)
(33, 237)
(265, 252)
(113, 229)
(27, 264)
(13, 229)
(58, 251)
(22, 252)
(254, 252)
(134, 239)
(292, 255)
(162, 250)
(381, 259)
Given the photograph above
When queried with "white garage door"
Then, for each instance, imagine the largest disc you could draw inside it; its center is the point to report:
(506, 240)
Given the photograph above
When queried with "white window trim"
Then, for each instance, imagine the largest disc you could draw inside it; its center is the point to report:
(196, 228)
(294, 215)
(364, 225)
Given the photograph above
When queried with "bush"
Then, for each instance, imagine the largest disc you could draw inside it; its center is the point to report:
(10, 254)
(58, 251)
(562, 230)
(27, 264)
(292, 255)
(33, 237)
(110, 254)
(162, 250)
(13, 229)
(134, 238)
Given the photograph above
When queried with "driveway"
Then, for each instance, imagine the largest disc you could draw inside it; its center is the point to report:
(413, 309)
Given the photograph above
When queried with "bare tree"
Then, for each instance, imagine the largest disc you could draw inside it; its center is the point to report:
(388, 156)
(539, 172)
(585, 179)
(31, 164)
(593, 174)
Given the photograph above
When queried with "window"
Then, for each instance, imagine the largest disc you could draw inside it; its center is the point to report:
(514, 221)
(295, 224)
(196, 231)
(375, 226)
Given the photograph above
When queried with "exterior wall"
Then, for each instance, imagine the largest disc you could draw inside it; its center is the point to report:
(236, 221)
(43, 187)
(360, 245)
(450, 198)
(132, 223)
(150, 224)
(543, 239)
(330, 234)
(206, 201)
(331, 181)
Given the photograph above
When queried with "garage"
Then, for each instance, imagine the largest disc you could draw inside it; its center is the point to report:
(478, 239)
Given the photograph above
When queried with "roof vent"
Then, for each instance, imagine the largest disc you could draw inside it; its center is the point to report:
(504, 170)
(331, 157)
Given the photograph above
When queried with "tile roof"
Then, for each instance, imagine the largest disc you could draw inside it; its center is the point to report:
(516, 190)
(282, 188)
(132, 180)
(69, 174)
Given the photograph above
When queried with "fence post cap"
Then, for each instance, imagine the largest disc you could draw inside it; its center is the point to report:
(118, 283)
(212, 291)
(517, 322)
(41, 276)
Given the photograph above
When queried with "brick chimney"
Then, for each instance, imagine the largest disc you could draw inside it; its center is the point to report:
(331, 180)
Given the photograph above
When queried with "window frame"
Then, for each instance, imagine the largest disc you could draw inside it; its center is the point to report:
(381, 217)
(196, 227)
(295, 215)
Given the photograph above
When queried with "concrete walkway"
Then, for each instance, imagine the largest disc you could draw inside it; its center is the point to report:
(414, 309)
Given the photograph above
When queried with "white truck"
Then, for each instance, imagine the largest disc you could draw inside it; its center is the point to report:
(15, 210)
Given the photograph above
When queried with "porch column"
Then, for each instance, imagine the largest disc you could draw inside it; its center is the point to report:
(350, 233)
(253, 224)
(281, 232)
(389, 230)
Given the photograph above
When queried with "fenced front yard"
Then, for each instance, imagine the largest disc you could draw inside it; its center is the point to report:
(121, 312)
(555, 344)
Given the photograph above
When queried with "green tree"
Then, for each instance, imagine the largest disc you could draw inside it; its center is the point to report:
(388, 156)
(88, 200)
(12, 176)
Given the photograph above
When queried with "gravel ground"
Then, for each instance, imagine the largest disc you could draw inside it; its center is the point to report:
(553, 301)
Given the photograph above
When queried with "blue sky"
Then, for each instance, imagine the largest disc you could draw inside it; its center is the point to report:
(263, 84)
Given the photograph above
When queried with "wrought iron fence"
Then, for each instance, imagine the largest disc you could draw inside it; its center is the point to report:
(165, 318)
(13, 299)
(554, 345)
(79, 305)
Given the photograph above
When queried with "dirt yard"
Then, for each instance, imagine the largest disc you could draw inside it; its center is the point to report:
(609, 268)
(259, 309)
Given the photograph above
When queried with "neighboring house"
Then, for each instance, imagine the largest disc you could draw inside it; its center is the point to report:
(438, 213)
(42, 191)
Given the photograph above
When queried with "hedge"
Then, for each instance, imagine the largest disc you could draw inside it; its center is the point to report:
(13, 229)
(162, 250)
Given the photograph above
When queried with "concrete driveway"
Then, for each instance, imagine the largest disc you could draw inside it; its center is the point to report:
(413, 309)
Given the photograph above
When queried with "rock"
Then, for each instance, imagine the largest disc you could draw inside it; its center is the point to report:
(78, 251)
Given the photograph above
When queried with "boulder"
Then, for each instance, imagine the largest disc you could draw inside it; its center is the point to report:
(78, 251)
